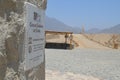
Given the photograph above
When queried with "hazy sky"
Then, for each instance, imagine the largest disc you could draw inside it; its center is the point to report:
(89, 13)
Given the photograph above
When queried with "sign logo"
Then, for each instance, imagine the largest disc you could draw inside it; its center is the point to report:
(37, 17)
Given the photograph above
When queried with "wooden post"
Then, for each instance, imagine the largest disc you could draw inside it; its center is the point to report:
(66, 36)
(71, 38)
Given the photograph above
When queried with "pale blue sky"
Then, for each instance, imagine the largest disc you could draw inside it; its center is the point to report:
(90, 13)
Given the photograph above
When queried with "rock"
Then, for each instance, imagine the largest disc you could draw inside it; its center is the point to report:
(11, 75)
(3, 66)
(12, 31)
(12, 53)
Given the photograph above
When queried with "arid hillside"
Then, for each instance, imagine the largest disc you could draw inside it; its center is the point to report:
(108, 40)
(84, 42)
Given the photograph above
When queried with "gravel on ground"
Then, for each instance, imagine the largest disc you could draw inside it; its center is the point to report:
(99, 63)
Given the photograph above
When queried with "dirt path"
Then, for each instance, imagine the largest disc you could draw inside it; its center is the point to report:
(85, 43)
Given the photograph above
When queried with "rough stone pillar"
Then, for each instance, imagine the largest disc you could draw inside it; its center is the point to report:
(12, 31)
(3, 66)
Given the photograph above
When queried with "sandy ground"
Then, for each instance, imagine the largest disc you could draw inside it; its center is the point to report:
(105, 39)
(85, 43)
(57, 75)
(82, 64)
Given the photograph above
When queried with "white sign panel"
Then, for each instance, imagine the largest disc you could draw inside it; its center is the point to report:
(34, 36)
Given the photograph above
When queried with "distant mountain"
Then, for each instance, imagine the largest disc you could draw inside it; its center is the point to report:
(93, 30)
(56, 25)
(111, 30)
(114, 29)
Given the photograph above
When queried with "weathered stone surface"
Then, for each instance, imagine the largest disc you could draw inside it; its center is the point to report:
(11, 74)
(12, 41)
(3, 66)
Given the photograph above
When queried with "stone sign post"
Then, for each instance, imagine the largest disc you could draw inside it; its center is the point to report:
(22, 39)
(34, 36)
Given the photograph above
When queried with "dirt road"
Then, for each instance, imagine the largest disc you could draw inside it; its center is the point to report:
(85, 43)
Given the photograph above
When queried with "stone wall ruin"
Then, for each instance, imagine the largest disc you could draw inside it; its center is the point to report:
(11, 41)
